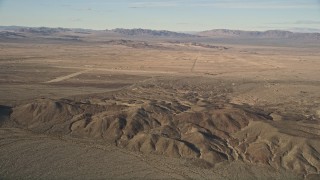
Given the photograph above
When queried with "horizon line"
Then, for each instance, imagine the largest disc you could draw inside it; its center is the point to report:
(293, 30)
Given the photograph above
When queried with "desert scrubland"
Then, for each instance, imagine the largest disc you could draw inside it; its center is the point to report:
(104, 105)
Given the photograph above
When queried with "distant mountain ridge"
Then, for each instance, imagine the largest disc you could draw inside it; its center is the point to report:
(149, 32)
(43, 30)
(258, 34)
(33, 29)
(20, 32)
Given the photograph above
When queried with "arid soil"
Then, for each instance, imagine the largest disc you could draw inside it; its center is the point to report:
(168, 110)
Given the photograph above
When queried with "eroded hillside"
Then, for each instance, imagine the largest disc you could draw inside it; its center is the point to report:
(168, 117)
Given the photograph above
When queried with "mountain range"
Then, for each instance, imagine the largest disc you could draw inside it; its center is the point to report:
(148, 32)
(258, 34)
(19, 31)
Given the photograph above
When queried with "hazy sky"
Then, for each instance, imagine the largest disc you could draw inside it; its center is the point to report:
(177, 15)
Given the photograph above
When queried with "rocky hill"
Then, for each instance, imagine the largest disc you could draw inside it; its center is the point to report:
(181, 125)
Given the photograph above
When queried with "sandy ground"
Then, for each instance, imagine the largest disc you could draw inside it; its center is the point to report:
(34, 156)
(280, 82)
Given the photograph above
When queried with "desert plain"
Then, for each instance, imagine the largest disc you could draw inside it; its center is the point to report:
(100, 105)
